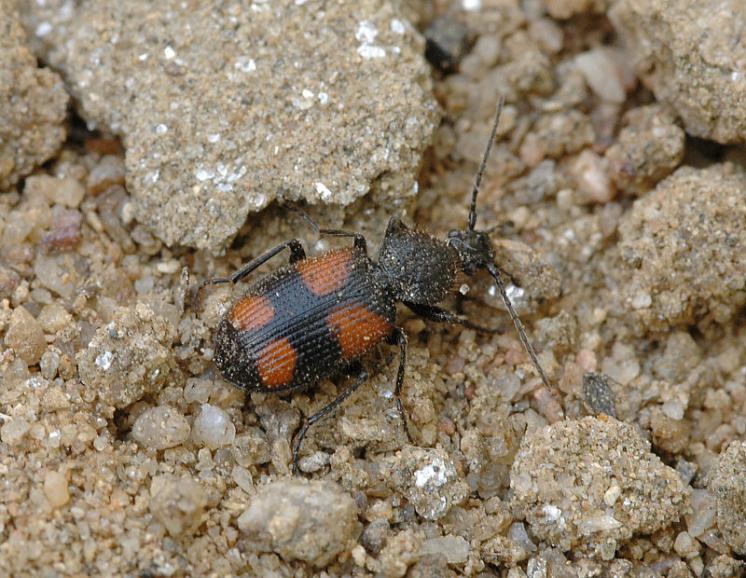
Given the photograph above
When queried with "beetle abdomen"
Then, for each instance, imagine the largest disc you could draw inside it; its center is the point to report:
(304, 323)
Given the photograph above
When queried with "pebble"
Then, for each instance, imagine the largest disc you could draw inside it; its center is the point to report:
(429, 480)
(25, 336)
(598, 394)
(56, 489)
(213, 427)
(109, 171)
(300, 520)
(66, 191)
(446, 42)
(454, 548)
(129, 357)
(14, 430)
(685, 546)
(592, 178)
(49, 364)
(602, 68)
(54, 317)
(178, 504)
(160, 427)
(648, 148)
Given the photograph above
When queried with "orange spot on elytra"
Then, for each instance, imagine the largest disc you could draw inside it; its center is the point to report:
(276, 363)
(326, 273)
(252, 312)
(357, 329)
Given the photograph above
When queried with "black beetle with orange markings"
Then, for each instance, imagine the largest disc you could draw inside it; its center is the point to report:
(316, 318)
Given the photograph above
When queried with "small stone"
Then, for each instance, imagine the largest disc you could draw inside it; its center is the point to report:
(314, 462)
(66, 191)
(591, 173)
(429, 480)
(728, 484)
(243, 479)
(446, 42)
(598, 394)
(299, 520)
(25, 336)
(647, 150)
(54, 317)
(178, 504)
(65, 230)
(213, 427)
(108, 172)
(704, 513)
(400, 551)
(455, 549)
(518, 534)
(129, 357)
(55, 489)
(685, 546)
(558, 333)
(57, 273)
(160, 428)
(252, 447)
(611, 495)
(603, 70)
(374, 535)
(14, 430)
(680, 357)
(49, 364)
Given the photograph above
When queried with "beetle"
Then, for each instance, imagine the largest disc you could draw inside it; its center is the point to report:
(317, 317)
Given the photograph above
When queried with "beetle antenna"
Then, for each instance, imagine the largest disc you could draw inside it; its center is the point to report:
(495, 272)
(306, 217)
(483, 166)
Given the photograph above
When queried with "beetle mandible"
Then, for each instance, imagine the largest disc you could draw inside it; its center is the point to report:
(317, 317)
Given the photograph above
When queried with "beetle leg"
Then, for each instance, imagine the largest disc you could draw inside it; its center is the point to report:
(398, 337)
(441, 315)
(359, 241)
(296, 254)
(362, 377)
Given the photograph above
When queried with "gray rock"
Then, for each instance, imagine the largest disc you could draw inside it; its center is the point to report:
(648, 149)
(224, 108)
(598, 394)
(178, 504)
(33, 103)
(429, 479)
(300, 520)
(691, 55)
(160, 427)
